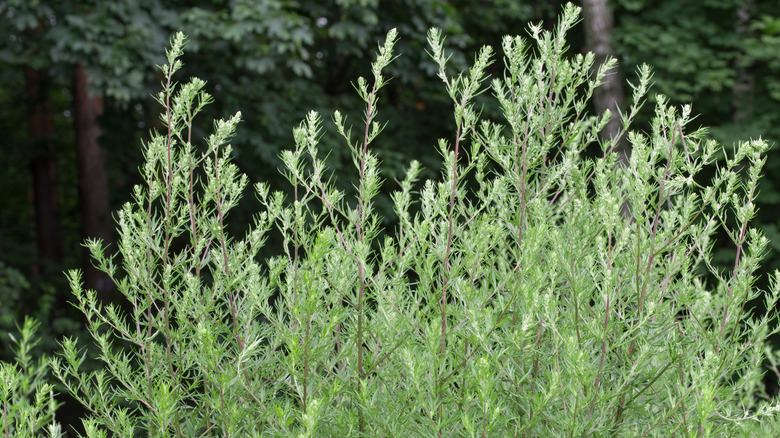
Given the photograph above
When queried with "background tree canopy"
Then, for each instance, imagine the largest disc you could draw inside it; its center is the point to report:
(77, 78)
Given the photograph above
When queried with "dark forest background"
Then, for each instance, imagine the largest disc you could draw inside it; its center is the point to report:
(77, 78)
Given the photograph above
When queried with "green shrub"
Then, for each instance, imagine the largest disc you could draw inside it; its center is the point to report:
(530, 291)
(27, 404)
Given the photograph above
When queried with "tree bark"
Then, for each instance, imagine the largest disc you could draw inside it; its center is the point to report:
(598, 22)
(92, 179)
(43, 170)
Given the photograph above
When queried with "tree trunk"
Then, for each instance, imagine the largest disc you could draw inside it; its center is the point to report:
(92, 179)
(598, 22)
(43, 170)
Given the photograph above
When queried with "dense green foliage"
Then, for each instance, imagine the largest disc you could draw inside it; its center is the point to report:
(274, 60)
(721, 56)
(26, 391)
(533, 290)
